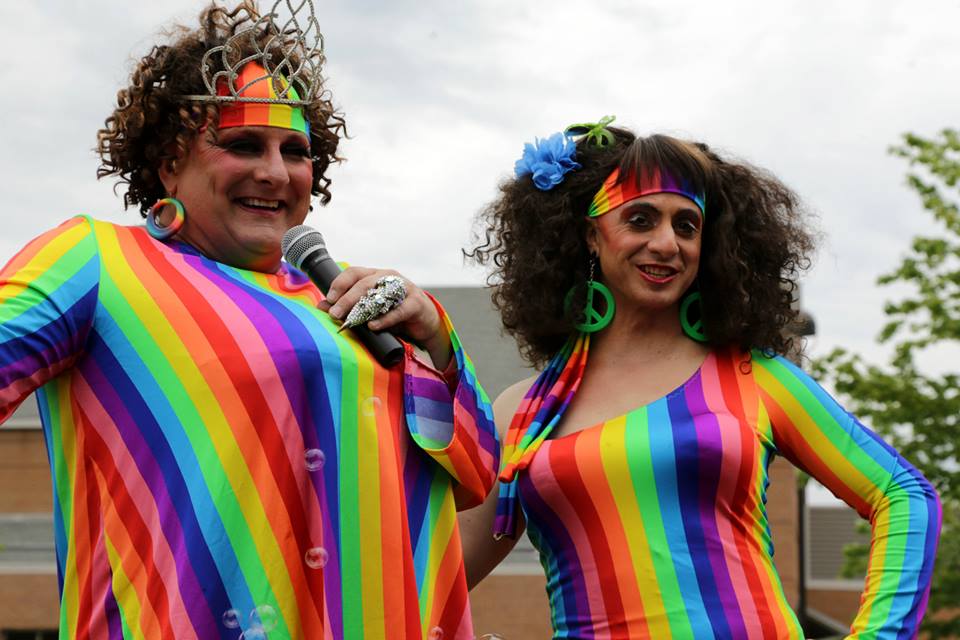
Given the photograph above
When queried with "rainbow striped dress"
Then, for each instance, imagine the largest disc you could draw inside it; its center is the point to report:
(224, 463)
(653, 524)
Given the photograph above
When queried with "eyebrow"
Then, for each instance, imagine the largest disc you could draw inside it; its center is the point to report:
(648, 207)
(236, 133)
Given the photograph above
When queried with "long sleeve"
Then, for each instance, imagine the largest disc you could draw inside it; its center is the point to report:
(452, 421)
(814, 432)
(48, 295)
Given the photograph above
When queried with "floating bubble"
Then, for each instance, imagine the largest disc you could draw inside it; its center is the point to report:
(316, 558)
(370, 406)
(435, 634)
(263, 617)
(231, 619)
(492, 636)
(255, 633)
(314, 459)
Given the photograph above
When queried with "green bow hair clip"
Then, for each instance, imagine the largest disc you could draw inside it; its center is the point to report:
(593, 131)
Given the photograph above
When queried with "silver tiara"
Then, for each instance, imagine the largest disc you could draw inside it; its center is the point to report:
(304, 77)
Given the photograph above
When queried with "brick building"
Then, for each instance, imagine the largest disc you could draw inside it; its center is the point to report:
(28, 575)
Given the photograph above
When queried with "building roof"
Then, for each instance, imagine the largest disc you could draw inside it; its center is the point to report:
(478, 324)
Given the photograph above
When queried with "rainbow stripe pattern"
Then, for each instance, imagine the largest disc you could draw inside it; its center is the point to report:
(540, 410)
(223, 461)
(263, 114)
(653, 524)
(615, 192)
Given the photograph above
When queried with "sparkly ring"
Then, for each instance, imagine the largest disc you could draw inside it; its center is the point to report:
(386, 294)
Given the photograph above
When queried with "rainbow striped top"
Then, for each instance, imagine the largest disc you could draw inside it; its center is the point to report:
(653, 524)
(224, 462)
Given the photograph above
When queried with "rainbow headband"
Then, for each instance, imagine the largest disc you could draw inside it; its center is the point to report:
(262, 114)
(615, 192)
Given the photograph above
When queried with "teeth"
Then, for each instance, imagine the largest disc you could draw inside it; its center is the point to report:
(659, 272)
(257, 202)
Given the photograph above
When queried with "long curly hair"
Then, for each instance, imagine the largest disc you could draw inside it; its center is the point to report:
(153, 124)
(755, 244)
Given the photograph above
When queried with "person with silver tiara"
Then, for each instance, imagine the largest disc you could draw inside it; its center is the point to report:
(227, 460)
(652, 280)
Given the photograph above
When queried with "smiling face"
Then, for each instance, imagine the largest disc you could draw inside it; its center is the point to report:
(242, 192)
(649, 250)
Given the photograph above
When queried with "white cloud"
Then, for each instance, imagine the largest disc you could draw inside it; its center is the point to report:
(440, 97)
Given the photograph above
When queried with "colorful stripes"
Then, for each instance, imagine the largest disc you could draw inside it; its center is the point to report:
(254, 83)
(538, 413)
(223, 461)
(615, 192)
(653, 524)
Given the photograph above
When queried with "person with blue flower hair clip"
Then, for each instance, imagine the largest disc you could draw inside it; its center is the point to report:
(640, 473)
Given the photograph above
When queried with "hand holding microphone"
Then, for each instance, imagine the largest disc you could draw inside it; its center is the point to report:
(415, 315)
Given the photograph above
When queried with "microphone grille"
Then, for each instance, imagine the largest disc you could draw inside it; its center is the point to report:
(298, 241)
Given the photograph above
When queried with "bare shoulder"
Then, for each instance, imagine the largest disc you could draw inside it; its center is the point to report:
(507, 402)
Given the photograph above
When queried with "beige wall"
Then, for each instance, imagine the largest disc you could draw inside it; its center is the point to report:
(782, 505)
(24, 472)
(513, 607)
(840, 606)
(26, 601)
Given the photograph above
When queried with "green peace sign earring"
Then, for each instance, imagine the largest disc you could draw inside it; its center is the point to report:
(593, 319)
(691, 317)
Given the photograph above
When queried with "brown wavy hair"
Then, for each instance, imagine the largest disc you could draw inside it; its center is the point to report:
(755, 244)
(153, 124)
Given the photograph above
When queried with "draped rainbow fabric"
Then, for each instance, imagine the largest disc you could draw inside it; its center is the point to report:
(653, 524)
(224, 462)
(540, 410)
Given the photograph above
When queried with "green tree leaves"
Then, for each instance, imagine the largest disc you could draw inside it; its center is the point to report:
(917, 412)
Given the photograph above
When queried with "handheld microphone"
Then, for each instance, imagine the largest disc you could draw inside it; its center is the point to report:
(303, 247)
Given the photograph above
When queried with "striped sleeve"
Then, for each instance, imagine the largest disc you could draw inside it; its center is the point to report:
(814, 432)
(452, 421)
(48, 295)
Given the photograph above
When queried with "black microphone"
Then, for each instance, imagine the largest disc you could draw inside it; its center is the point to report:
(303, 247)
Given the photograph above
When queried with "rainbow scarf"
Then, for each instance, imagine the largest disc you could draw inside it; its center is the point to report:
(262, 114)
(616, 192)
(540, 411)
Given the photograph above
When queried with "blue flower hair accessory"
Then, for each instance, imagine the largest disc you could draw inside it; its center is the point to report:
(547, 160)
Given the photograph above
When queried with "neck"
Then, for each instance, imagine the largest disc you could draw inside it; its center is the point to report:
(263, 263)
(636, 337)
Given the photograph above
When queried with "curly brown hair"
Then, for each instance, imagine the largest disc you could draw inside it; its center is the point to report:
(153, 124)
(755, 244)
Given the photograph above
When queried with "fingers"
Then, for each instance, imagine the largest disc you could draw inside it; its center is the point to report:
(416, 316)
(407, 310)
(347, 279)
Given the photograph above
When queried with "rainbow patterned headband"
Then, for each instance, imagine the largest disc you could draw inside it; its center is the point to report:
(613, 193)
(258, 84)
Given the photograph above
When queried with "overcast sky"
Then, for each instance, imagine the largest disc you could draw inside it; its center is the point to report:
(440, 97)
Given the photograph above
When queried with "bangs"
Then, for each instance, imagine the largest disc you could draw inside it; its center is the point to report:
(659, 155)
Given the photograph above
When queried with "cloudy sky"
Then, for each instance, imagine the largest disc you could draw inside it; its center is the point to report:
(440, 97)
